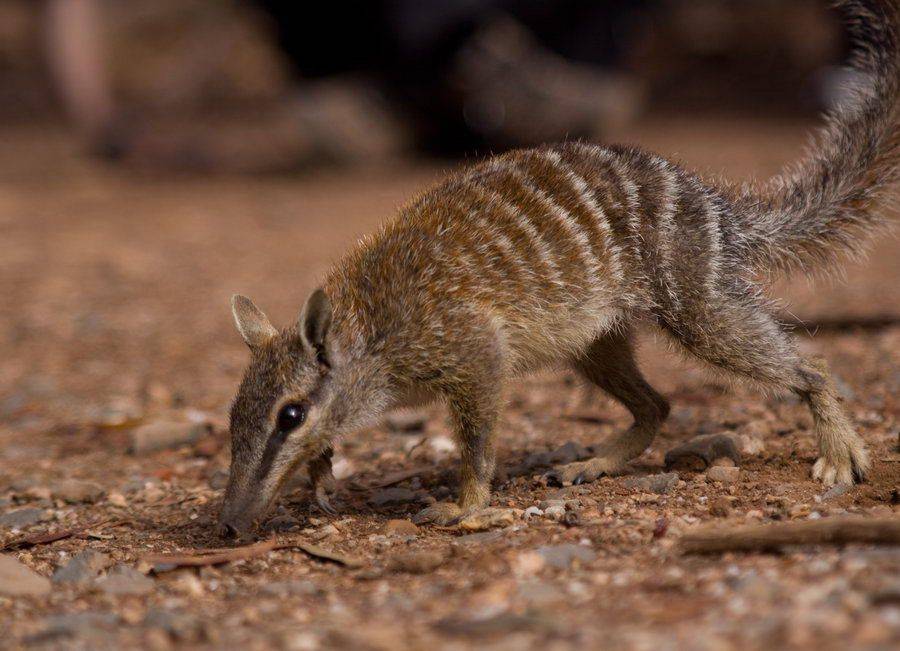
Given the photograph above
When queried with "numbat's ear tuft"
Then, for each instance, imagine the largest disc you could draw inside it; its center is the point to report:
(251, 323)
(315, 319)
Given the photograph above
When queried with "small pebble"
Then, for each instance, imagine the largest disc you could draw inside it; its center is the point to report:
(416, 562)
(723, 474)
(400, 528)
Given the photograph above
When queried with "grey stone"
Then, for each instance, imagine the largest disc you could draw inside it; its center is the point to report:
(562, 556)
(394, 496)
(125, 580)
(660, 483)
(164, 434)
(22, 518)
(17, 580)
(74, 491)
(836, 491)
(82, 569)
(546, 504)
(701, 451)
(555, 512)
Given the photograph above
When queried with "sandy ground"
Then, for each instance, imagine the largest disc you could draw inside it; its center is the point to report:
(115, 315)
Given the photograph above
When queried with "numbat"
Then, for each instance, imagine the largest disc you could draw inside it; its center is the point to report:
(550, 256)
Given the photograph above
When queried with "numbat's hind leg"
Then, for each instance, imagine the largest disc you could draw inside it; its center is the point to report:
(735, 332)
(609, 363)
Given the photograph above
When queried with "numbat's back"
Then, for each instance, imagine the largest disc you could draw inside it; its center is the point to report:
(550, 256)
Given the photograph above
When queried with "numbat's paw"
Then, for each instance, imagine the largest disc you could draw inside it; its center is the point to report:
(441, 514)
(323, 501)
(582, 472)
(832, 469)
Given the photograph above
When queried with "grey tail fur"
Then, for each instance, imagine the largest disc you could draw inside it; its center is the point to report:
(828, 206)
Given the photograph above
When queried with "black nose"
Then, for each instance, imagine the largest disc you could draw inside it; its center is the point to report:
(228, 530)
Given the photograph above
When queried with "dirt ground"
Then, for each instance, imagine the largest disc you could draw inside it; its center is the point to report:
(115, 315)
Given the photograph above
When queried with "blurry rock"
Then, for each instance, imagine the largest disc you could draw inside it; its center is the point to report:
(117, 499)
(327, 531)
(394, 496)
(724, 474)
(416, 562)
(163, 434)
(75, 491)
(528, 563)
(835, 491)
(532, 512)
(341, 468)
(487, 519)
(125, 580)
(721, 507)
(121, 412)
(555, 512)
(400, 528)
(406, 420)
(17, 580)
(82, 569)
(442, 445)
(724, 462)
(562, 556)
(701, 451)
(546, 504)
(22, 518)
(660, 483)
(750, 446)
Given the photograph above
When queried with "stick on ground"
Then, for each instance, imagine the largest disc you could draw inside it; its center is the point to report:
(772, 537)
(197, 558)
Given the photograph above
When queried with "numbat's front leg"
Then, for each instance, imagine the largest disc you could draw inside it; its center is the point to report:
(474, 413)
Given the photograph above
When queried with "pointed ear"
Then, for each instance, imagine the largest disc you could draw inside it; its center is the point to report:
(315, 319)
(253, 325)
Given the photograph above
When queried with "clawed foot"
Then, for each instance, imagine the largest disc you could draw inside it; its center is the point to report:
(440, 513)
(582, 472)
(833, 469)
(323, 500)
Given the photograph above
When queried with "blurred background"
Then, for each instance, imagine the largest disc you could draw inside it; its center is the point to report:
(274, 85)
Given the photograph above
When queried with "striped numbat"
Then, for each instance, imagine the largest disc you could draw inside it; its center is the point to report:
(549, 256)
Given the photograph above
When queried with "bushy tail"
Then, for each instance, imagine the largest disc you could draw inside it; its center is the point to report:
(829, 204)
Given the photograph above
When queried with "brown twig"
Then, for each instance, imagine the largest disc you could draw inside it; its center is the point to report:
(31, 540)
(772, 537)
(200, 557)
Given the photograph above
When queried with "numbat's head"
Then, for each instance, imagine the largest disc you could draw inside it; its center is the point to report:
(297, 394)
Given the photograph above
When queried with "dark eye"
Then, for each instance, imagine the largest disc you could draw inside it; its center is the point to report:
(291, 417)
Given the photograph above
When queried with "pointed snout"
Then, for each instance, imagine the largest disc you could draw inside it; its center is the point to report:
(244, 506)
